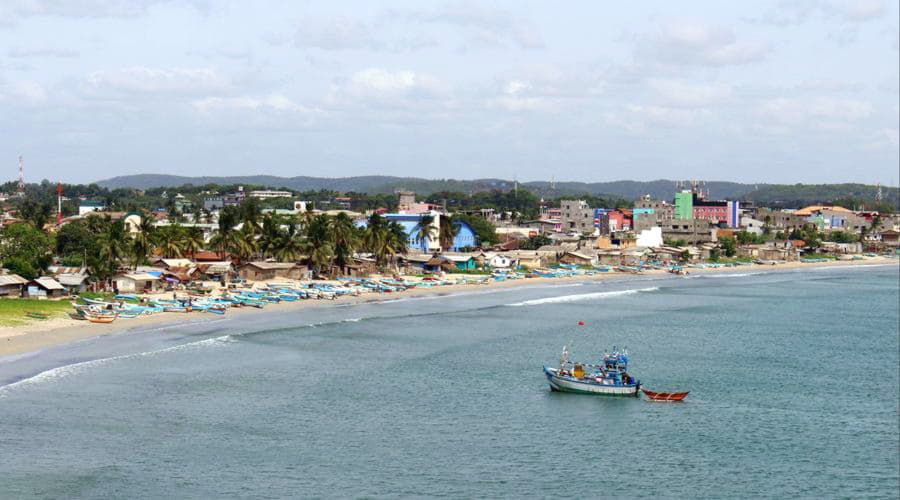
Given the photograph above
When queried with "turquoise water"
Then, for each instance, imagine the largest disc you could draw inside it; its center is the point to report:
(793, 379)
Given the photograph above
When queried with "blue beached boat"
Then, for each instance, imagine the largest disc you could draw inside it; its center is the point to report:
(608, 378)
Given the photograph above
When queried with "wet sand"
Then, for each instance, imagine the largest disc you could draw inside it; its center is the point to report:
(44, 334)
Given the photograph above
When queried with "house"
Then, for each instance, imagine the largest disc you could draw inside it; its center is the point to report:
(262, 271)
(362, 267)
(462, 262)
(137, 281)
(414, 262)
(214, 271)
(176, 274)
(528, 259)
(577, 259)
(74, 283)
(11, 285)
(45, 288)
(497, 261)
(890, 238)
(465, 237)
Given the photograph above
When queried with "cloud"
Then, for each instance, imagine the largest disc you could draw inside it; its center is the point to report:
(518, 95)
(26, 92)
(482, 25)
(379, 82)
(699, 44)
(15, 9)
(339, 33)
(144, 80)
(273, 102)
(814, 112)
(17, 53)
(793, 12)
(680, 94)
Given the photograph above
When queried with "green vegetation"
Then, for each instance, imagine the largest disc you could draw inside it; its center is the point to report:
(535, 242)
(484, 230)
(13, 312)
(675, 243)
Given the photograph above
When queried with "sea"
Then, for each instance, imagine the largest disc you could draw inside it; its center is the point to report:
(793, 380)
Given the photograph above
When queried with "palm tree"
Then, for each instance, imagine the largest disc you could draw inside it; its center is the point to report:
(193, 241)
(168, 241)
(289, 246)
(397, 242)
(345, 240)
(374, 238)
(448, 231)
(425, 231)
(318, 244)
(142, 241)
(244, 245)
(270, 235)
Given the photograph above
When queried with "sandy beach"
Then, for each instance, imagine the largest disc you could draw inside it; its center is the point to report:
(40, 335)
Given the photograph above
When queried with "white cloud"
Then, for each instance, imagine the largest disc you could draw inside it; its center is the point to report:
(273, 102)
(339, 33)
(518, 95)
(14, 9)
(792, 12)
(144, 80)
(699, 44)
(35, 52)
(675, 93)
(23, 92)
(482, 25)
(816, 112)
(379, 82)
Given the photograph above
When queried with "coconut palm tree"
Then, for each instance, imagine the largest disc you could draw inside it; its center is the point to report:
(290, 245)
(345, 240)
(447, 232)
(270, 235)
(169, 242)
(396, 241)
(193, 241)
(425, 231)
(243, 244)
(318, 244)
(142, 241)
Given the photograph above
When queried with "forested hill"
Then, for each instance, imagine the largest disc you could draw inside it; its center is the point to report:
(767, 194)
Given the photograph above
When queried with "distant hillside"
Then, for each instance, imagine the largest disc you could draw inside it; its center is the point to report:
(769, 194)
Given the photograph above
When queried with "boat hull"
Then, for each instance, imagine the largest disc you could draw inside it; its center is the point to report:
(568, 384)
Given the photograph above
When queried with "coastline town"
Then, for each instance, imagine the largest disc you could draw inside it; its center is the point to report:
(214, 251)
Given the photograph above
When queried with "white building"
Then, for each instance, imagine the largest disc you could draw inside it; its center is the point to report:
(269, 194)
(89, 206)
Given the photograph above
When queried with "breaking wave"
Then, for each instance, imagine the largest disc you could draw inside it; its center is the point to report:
(75, 368)
(581, 296)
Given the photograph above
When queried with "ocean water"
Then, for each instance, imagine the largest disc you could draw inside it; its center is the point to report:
(793, 379)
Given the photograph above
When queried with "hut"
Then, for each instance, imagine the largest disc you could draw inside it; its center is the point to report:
(137, 282)
(45, 288)
(262, 271)
(576, 258)
(11, 285)
(74, 283)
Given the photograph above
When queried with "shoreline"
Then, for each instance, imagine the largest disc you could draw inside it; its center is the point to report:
(16, 342)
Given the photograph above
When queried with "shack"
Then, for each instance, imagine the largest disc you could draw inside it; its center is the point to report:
(137, 282)
(11, 285)
(45, 288)
(262, 271)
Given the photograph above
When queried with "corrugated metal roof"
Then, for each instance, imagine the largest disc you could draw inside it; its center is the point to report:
(140, 276)
(49, 283)
(272, 265)
(12, 279)
(71, 279)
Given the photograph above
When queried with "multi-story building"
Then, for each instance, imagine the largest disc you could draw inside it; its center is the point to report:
(577, 216)
(269, 194)
(649, 213)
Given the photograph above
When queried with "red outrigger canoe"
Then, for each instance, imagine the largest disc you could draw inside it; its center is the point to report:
(665, 396)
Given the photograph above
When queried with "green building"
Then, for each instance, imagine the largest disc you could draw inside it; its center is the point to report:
(684, 205)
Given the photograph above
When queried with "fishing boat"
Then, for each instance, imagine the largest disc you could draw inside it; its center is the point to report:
(608, 378)
(101, 319)
(665, 396)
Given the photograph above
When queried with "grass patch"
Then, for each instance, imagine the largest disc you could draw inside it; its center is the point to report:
(13, 311)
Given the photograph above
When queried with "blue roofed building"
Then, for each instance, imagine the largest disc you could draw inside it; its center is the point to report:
(465, 237)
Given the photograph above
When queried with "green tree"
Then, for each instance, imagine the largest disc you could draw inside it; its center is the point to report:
(425, 230)
(24, 242)
(728, 245)
(74, 238)
(345, 240)
(535, 242)
(448, 229)
(318, 247)
(22, 266)
(485, 232)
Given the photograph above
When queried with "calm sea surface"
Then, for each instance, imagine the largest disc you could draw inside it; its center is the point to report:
(793, 379)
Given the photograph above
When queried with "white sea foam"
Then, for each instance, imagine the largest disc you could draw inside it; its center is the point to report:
(75, 368)
(581, 296)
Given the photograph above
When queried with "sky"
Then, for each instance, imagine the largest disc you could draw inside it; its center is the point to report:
(783, 91)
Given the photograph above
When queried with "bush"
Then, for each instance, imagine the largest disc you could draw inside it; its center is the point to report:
(21, 266)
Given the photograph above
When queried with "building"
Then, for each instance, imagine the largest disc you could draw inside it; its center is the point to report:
(136, 282)
(215, 203)
(405, 200)
(465, 238)
(691, 231)
(576, 259)
(86, 207)
(262, 271)
(684, 205)
(752, 225)
(11, 285)
(577, 216)
(45, 288)
(265, 194)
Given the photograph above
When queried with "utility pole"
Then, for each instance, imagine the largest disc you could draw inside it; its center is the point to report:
(58, 203)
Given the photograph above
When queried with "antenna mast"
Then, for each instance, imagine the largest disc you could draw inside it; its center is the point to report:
(21, 177)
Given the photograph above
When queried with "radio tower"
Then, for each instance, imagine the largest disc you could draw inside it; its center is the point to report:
(58, 203)
(878, 194)
(21, 177)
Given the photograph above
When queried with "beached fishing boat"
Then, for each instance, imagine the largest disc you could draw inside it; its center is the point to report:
(101, 318)
(608, 378)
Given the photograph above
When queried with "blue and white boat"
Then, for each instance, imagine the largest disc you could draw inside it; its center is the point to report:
(608, 378)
